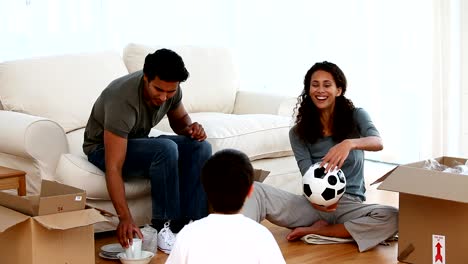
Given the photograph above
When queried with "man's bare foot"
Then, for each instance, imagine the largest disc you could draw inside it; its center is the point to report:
(299, 232)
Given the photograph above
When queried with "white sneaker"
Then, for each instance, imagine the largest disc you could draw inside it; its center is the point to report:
(166, 238)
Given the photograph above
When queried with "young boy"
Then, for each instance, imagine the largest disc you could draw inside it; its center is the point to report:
(226, 236)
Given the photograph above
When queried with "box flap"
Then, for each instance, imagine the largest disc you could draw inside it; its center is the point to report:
(25, 204)
(101, 211)
(52, 188)
(61, 203)
(69, 220)
(10, 218)
(451, 161)
(55, 198)
(260, 175)
(413, 179)
(381, 179)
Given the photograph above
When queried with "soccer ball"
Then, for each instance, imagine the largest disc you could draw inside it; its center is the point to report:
(323, 189)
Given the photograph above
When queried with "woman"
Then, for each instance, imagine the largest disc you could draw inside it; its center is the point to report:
(330, 130)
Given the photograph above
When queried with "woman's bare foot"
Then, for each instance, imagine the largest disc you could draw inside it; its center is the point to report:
(299, 232)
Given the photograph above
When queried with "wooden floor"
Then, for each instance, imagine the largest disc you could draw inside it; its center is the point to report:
(294, 252)
(298, 252)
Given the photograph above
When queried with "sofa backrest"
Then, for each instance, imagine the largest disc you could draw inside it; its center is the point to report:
(62, 88)
(213, 82)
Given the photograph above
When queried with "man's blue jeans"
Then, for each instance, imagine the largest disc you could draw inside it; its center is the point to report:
(173, 164)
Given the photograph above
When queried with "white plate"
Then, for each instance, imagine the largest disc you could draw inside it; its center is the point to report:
(107, 257)
(113, 248)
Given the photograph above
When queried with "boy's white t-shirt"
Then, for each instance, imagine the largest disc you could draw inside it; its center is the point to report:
(220, 238)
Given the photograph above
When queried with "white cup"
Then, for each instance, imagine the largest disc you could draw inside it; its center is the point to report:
(134, 250)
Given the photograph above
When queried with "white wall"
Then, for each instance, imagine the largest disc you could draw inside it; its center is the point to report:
(399, 56)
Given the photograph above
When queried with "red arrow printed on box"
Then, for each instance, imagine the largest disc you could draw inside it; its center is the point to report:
(439, 254)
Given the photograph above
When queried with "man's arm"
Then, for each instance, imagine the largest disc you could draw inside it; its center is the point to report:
(179, 119)
(115, 152)
(181, 123)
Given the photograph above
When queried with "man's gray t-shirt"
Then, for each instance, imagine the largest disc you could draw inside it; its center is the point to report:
(121, 109)
(307, 154)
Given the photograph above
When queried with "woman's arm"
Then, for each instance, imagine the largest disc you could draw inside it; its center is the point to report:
(301, 153)
(371, 143)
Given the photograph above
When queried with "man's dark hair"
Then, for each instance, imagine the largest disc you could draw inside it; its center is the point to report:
(227, 178)
(167, 65)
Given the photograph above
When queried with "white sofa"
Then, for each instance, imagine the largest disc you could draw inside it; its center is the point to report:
(46, 103)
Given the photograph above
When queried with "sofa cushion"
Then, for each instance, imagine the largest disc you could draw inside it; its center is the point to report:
(76, 171)
(75, 140)
(62, 88)
(212, 84)
(257, 135)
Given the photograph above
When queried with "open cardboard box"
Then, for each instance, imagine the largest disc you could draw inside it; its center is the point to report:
(52, 227)
(260, 175)
(433, 212)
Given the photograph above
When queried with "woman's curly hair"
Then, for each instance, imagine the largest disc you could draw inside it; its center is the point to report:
(308, 125)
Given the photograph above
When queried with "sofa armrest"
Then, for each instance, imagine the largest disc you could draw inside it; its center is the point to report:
(263, 103)
(33, 138)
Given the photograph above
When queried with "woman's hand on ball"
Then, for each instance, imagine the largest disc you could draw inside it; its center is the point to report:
(337, 155)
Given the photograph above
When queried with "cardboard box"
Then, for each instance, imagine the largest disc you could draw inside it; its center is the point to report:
(260, 175)
(54, 198)
(52, 227)
(433, 216)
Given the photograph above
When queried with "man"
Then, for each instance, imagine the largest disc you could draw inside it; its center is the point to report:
(116, 140)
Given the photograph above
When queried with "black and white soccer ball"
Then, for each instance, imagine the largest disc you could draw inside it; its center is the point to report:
(323, 188)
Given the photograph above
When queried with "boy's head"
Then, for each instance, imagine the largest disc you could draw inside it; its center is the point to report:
(227, 178)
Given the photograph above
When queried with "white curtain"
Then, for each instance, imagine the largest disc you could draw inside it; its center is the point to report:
(464, 75)
(403, 59)
(446, 136)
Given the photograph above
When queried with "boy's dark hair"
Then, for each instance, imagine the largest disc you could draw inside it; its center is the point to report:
(167, 65)
(227, 178)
